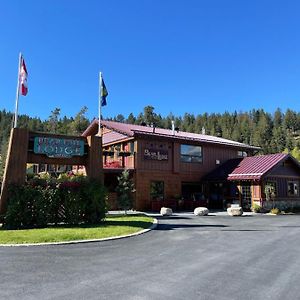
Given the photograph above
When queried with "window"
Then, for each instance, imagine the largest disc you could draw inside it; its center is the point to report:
(157, 190)
(189, 153)
(242, 154)
(270, 189)
(131, 147)
(292, 188)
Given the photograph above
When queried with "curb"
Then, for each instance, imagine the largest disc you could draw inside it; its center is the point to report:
(153, 226)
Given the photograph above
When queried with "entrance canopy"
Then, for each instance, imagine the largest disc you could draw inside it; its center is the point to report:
(248, 168)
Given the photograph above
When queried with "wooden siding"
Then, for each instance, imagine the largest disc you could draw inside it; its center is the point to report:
(173, 172)
(287, 168)
(211, 153)
(282, 185)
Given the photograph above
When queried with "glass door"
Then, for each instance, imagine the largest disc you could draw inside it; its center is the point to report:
(246, 195)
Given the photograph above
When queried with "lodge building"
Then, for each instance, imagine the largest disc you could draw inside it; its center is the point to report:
(184, 170)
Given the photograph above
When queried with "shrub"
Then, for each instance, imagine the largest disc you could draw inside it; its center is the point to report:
(94, 195)
(275, 211)
(23, 207)
(256, 208)
(70, 202)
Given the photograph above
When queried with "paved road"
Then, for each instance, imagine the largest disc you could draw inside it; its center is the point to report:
(215, 257)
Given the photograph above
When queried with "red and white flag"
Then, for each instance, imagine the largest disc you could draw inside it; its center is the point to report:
(23, 78)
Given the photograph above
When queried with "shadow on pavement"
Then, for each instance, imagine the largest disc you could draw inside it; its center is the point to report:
(179, 226)
(173, 217)
(246, 230)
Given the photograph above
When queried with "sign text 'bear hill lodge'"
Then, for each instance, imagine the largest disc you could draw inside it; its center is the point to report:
(155, 154)
(58, 147)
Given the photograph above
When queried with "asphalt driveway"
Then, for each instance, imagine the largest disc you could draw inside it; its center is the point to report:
(186, 257)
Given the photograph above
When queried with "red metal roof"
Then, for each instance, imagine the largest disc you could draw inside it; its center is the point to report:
(130, 130)
(112, 137)
(253, 168)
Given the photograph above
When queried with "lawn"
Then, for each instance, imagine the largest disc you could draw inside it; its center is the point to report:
(113, 226)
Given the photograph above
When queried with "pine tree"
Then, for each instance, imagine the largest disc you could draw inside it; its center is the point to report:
(80, 122)
(125, 189)
(53, 120)
(131, 119)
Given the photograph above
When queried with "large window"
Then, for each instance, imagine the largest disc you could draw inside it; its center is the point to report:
(293, 188)
(189, 153)
(157, 190)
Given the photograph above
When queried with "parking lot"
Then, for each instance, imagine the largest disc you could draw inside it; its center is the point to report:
(186, 257)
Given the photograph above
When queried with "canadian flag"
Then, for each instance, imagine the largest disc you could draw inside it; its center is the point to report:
(23, 78)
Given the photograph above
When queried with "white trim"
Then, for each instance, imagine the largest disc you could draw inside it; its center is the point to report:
(245, 174)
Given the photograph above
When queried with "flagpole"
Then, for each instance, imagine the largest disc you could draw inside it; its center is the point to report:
(17, 93)
(99, 102)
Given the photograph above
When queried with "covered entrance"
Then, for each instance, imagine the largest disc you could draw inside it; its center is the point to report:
(246, 195)
(193, 196)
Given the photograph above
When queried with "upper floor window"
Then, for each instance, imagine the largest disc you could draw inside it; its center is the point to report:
(189, 153)
(242, 154)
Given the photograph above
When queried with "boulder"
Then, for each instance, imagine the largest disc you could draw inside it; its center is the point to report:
(166, 211)
(201, 211)
(234, 211)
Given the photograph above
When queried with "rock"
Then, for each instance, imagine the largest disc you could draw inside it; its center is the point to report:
(235, 211)
(165, 211)
(201, 211)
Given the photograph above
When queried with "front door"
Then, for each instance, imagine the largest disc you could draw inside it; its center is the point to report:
(246, 195)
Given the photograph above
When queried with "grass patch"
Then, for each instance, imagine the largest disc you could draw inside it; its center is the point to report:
(113, 226)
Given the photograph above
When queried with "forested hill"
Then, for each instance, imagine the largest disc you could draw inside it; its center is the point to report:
(273, 132)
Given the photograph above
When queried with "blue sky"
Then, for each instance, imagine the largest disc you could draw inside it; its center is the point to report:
(179, 56)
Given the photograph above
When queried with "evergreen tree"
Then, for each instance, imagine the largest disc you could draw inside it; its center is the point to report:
(150, 117)
(119, 118)
(125, 189)
(290, 120)
(80, 122)
(131, 119)
(52, 125)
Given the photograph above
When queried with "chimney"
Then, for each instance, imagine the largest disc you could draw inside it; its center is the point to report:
(153, 126)
(203, 130)
(173, 127)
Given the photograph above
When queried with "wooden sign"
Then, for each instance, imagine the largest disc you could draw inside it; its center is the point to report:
(58, 147)
(154, 154)
(46, 148)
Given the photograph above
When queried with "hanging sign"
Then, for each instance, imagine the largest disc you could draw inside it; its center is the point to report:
(155, 154)
(57, 147)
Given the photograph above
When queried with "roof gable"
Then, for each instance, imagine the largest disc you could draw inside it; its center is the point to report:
(255, 167)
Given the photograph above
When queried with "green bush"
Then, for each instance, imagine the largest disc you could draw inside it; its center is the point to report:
(95, 205)
(23, 207)
(40, 203)
(256, 208)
